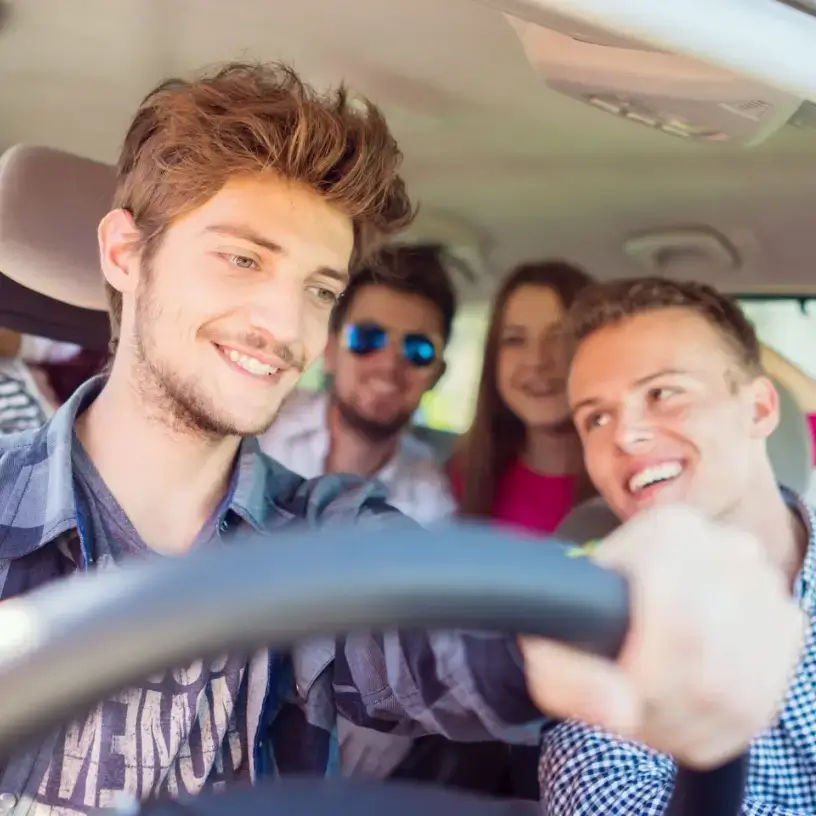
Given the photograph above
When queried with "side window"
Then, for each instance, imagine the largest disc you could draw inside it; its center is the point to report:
(788, 325)
(450, 406)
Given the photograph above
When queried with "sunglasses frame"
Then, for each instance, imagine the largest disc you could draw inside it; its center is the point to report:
(390, 336)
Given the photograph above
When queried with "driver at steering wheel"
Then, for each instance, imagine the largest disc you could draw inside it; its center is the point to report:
(243, 202)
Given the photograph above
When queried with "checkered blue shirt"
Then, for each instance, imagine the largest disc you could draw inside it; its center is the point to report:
(585, 771)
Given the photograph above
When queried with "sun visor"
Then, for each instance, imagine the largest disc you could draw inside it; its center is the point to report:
(51, 203)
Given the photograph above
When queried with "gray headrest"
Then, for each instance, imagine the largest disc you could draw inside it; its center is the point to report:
(50, 205)
(590, 520)
(790, 447)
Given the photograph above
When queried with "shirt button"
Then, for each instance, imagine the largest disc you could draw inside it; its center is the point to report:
(223, 526)
(8, 801)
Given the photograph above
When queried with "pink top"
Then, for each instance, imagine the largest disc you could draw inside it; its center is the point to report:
(536, 502)
(812, 422)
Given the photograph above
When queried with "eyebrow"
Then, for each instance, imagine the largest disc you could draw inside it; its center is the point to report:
(589, 401)
(245, 233)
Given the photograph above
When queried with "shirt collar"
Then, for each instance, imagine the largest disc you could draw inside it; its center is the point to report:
(258, 487)
(309, 418)
(805, 583)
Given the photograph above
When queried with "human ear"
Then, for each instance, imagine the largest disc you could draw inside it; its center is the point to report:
(765, 407)
(118, 241)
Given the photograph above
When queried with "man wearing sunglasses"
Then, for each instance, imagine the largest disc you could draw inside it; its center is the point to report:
(385, 351)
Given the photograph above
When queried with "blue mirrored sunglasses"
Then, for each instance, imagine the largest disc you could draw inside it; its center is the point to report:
(365, 338)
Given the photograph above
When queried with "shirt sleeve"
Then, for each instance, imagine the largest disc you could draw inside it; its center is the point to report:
(466, 686)
(584, 771)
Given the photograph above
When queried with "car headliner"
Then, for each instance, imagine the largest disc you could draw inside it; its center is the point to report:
(503, 166)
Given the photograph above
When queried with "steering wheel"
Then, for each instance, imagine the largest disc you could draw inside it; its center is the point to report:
(65, 646)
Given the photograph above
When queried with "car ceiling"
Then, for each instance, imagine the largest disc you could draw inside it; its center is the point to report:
(490, 152)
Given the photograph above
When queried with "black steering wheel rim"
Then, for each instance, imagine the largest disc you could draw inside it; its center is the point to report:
(97, 633)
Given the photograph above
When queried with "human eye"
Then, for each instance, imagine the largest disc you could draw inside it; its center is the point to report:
(324, 296)
(241, 261)
(512, 340)
(595, 419)
(661, 393)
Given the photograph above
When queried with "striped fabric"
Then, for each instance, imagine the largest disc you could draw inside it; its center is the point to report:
(22, 407)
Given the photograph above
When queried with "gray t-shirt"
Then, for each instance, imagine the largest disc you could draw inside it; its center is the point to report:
(177, 733)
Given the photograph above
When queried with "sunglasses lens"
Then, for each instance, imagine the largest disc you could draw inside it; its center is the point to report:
(365, 338)
(419, 350)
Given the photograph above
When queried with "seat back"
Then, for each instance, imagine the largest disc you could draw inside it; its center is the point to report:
(790, 447)
(590, 520)
(51, 203)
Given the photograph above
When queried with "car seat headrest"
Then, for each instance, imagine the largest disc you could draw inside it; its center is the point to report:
(50, 205)
(589, 520)
(790, 446)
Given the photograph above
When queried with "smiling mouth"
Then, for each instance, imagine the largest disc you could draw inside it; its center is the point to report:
(381, 388)
(249, 365)
(654, 476)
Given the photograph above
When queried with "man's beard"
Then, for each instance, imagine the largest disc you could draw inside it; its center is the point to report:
(372, 430)
(176, 403)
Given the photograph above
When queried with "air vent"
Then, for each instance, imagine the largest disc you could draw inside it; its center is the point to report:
(683, 252)
(754, 110)
(669, 93)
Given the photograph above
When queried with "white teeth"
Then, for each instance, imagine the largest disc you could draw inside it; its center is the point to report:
(655, 473)
(381, 387)
(250, 364)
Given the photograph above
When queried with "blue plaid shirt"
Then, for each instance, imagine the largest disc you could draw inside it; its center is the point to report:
(585, 771)
(467, 687)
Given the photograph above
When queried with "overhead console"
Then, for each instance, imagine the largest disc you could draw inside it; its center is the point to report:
(678, 95)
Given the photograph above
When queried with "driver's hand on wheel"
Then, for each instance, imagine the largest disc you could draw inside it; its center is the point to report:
(714, 642)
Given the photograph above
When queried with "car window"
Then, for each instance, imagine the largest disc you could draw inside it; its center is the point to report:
(788, 325)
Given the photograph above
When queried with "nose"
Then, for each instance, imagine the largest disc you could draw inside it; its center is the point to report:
(389, 359)
(279, 311)
(633, 432)
(543, 354)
